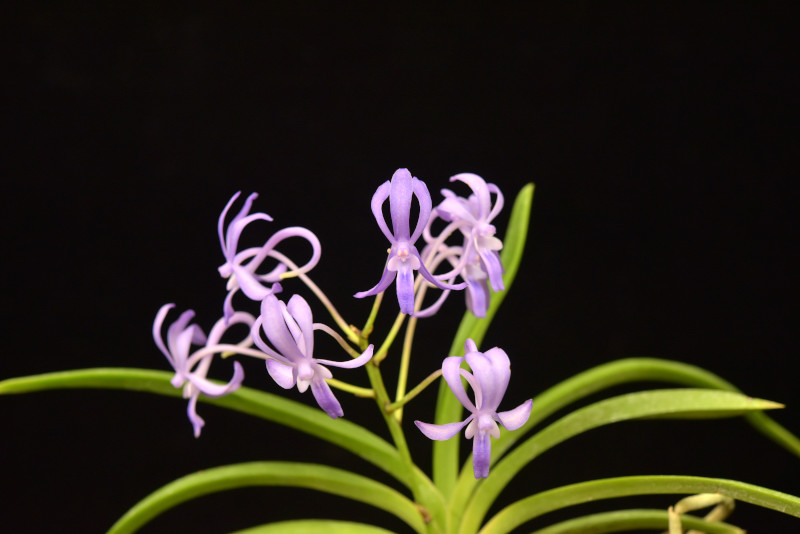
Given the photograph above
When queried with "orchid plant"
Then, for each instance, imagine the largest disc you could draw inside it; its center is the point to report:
(461, 250)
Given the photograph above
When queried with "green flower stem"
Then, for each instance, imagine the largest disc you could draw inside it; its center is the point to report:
(387, 343)
(416, 391)
(421, 486)
(323, 298)
(288, 474)
(289, 413)
(365, 393)
(625, 520)
(405, 361)
(524, 510)
(314, 526)
(668, 403)
(373, 313)
(339, 339)
(448, 409)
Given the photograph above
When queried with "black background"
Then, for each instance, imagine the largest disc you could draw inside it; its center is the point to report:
(662, 141)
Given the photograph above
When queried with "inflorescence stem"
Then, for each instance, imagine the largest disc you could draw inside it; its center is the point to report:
(323, 298)
(395, 406)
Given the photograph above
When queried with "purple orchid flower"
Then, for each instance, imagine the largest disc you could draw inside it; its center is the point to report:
(491, 371)
(474, 216)
(290, 329)
(191, 370)
(243, 275)
(403, 258)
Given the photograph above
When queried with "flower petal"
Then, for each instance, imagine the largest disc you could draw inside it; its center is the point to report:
(452, 375)
(158, 325)
(405, 288)
(380, 196)
(492, 370)
(255, 335)
(441, 432)
(498, 203)
(424, 198)
(433, 308)
(180, 346)
(481, 454)
(229, 239)
(325, 397)
(400, 203)
(386, 279)
(196, 420)
(222, 326)
(435, 281)
(481, 191)
(274, 325)
(491, 261)
(221, 221)
(286, 233)
(513, 419)
(210, 389)
(350, 364)
(282, 374)
(477, 297)
(301, 312)
(179, 326)
(453, 208)
(249, 284)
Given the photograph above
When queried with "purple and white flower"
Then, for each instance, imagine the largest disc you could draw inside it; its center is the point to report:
(191, 370)
(489, 378)
(290, 330)
(240, 266)
(476, 259)
(476, 214)
(403, 258)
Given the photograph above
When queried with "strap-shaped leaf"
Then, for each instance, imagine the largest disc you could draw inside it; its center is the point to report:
(626, 520)
(315, 526)
(313, 421)
(628, 370)
(668, 403)
(526, 509)
(288, 474)
(448, 409)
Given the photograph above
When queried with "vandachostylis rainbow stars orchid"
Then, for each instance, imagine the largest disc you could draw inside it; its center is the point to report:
(403, 258)
(491, 371)
(290, 329)
(476, 258)
(243, 275)
(461, 242)
(191, 370)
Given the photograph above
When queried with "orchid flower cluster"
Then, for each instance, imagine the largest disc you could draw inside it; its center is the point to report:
(283, 334)
(452, 246)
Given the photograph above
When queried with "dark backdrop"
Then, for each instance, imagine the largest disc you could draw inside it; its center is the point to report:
(661, 140)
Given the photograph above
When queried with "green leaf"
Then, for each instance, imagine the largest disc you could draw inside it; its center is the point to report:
(632, 370)
(625, 520)
(448, 409)
(315, 526)
(288, 474)
(313, 421)
(534, 506)
(669, 403)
